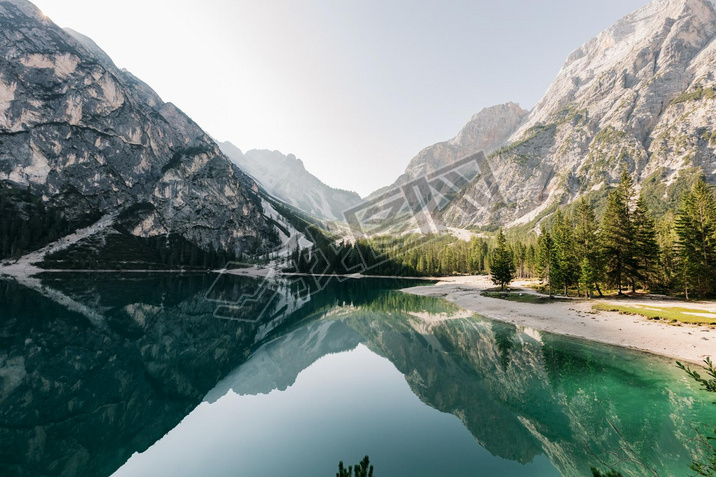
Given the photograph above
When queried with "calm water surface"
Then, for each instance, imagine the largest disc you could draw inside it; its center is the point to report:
(168, 375)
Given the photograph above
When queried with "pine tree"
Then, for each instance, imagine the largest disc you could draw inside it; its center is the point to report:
(695, 228)
(361, 469)
(520, 259)
(613, 240)
(668, 253)
(586, 241)
(631, 265)
(564, 250)
(587, 278)
(645, 242)
(617, 238)
(546, 261)
(532, 261)
(343, 472)
(585, 230)
(421, 267)
(502, 266)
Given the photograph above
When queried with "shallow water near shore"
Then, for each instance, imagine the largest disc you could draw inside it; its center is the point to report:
(185, 375)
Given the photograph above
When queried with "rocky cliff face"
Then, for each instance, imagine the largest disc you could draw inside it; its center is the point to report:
(640, 97)
(93, 140)
(287, 179)
(487, 130)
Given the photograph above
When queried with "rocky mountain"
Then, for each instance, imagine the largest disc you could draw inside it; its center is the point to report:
(287, 179)
(639, 97)
(81, 139)
(486, 131)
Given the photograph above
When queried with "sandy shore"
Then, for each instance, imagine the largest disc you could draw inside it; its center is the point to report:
(576, 318)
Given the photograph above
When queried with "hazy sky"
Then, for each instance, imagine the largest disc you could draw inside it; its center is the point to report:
(354, 88)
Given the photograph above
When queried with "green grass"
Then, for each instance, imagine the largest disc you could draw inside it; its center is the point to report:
(671, 314)
(521, 297)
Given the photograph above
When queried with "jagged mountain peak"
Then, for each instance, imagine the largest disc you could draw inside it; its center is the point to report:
(640, 97)
(654, 43)
(288, 160)
(92, 47)
(484, 128)
(27, 8)
(497, 109)
(636, 30)
(486, 131)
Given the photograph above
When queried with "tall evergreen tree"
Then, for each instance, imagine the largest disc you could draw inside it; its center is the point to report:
(362, 469)
(695, 228)
(587, 278)
(531, 260)
(645, 243)
(668, 251)
(502, 265)
(613, 240)
(586, 241)
(564, 249)
(520, 254)
(585, 230)
(631, 264)
(547, 264)
(617, 238)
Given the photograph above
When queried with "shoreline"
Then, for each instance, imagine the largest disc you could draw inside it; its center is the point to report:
(575, 318)
(569, 317)
(28, 270)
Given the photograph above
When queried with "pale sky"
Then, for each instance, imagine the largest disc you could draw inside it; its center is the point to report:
(354, 88)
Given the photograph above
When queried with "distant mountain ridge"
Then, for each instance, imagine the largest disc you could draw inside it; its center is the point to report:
(286, 178)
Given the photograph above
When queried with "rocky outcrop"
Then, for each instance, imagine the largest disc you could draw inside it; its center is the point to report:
(639, 97)
(487, 130)
(287, 179)
(91, 140)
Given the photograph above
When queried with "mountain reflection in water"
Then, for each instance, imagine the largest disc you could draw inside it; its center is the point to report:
(95, 368)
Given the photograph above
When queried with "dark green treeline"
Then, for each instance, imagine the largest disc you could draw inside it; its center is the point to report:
(625, 250)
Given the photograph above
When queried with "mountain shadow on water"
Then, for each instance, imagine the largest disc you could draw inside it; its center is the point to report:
(96, 367)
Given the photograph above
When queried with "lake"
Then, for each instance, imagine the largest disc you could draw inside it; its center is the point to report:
(218, 375)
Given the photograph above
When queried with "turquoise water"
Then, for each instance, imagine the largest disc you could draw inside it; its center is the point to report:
(169, 375)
